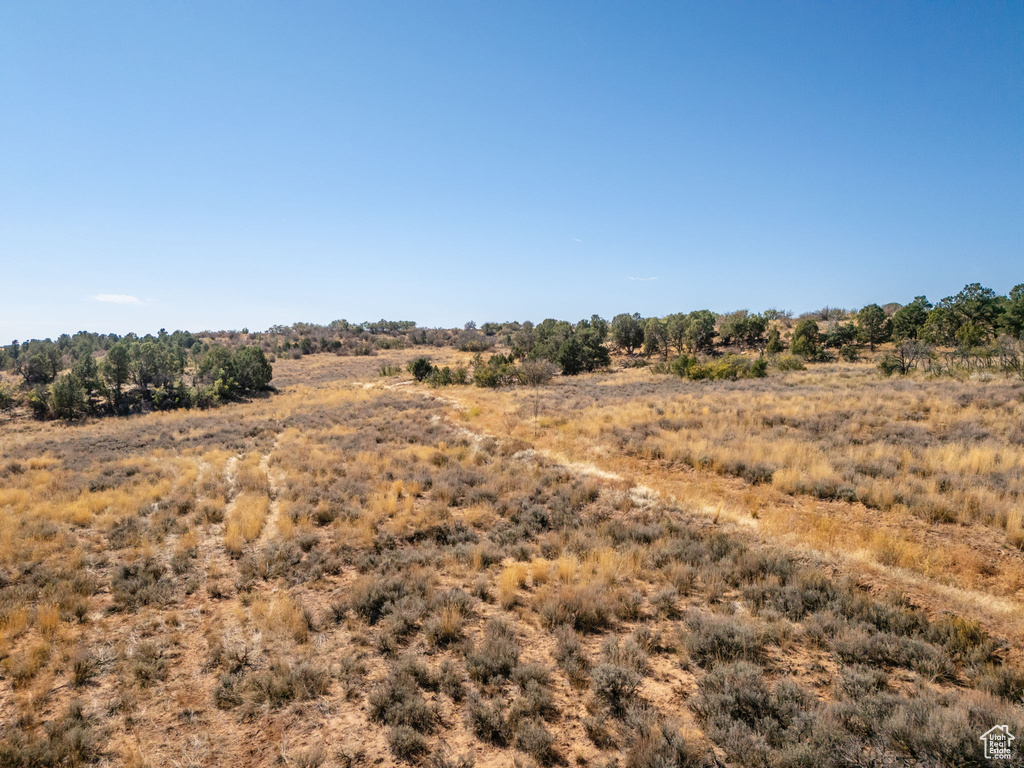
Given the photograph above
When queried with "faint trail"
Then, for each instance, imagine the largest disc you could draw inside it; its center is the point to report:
(212, 544)
(231, 475)
(270, 525)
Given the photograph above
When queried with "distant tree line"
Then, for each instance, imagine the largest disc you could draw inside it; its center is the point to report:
(95, 375)
(975, 329)
(536, 353)
(90, 373)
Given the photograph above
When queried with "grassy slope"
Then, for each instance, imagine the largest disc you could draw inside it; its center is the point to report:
(358, 569)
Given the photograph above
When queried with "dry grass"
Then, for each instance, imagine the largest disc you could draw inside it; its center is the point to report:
(931, 481)
(245, 519)
(345, 574)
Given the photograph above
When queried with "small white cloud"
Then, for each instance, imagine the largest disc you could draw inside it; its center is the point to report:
(115, 298)
(576, 239)
(644, 279)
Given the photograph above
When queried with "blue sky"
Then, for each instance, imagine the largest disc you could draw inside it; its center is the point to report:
(240, 164)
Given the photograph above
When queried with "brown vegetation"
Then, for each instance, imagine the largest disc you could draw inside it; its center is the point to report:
(623, 567)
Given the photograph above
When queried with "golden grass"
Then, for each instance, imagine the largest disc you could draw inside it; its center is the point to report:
(245, 519)
(48, 619)
(878, 479)
(250, 476)
(511, 580)
(280, 617)
(369, 485)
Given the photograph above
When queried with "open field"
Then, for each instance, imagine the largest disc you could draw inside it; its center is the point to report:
(926, 475)
(819, 568)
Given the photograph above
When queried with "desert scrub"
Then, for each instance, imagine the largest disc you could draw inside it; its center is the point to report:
(407, 743)
(615, 685)
(84, 668)
(281, 616)
(397, 701)
(759, 722)
(533, 738)
(716, 637)
(392, 527)
(571, 655)
(73, 739)
(373, 597)
(285, 682)
(446, 626)
(652, 740)
(534, 682)
(488, 719)
(148, 662)
(138, 584)
(496, 656)
(750, 716)
(585, 607)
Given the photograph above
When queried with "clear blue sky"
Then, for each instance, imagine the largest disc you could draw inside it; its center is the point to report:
(232, 164)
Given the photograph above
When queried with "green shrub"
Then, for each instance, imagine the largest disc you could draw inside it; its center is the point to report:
(848, 353)
(715, 369)
(420, 368)
(788, 363)
(67, 398)
(806, 340)
(253, 371)
(446, 377)
(7, 397)
(498, 371)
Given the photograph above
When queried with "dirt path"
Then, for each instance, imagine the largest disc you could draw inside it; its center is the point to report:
(270, 525)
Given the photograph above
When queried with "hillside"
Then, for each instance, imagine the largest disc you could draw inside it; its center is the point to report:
(623, 566)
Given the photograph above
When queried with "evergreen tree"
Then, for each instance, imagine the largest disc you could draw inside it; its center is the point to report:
(252, 370)
(700, 331)
(676, 326)
(1013, 312)
(655, 338)
(873, 327)
(627, 332)
(909, 321)
(806, 339)
(67, 398)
